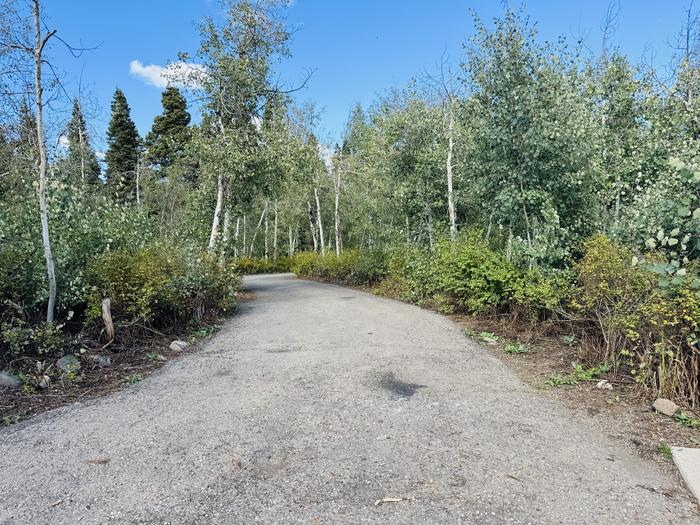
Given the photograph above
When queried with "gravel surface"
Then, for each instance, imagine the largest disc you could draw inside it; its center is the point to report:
(313, 404)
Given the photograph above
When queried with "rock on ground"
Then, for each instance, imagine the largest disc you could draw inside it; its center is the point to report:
(311, 405)
(665, 407)
(178, 346)
(8, 381)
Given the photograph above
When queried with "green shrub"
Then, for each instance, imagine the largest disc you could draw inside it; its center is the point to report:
(20, 339)
(205, 289)
(536, 296)
(351, 267)
(475, 276)
(258, 265)
(412, 274)
(633, 323)
(160, 286)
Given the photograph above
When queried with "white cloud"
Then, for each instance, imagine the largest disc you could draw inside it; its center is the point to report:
(178, 74)
(64, 141)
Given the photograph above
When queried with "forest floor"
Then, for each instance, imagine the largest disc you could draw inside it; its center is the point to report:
(323, 404)
(623, 414)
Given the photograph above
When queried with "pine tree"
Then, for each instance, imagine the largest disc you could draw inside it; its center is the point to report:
(122, 151)
(169, 135)
(82, 162)
(354, 130)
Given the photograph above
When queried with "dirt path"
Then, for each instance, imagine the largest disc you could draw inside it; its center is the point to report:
(312, 404)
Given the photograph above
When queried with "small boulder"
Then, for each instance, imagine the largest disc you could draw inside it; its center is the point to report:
(68, 363)
(178, 346)
(604, 385)
(665, 407)
(103, 361)
(9, 382)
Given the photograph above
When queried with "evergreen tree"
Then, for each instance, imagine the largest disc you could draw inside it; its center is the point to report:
(6, 162)
(169, 135)
(354, 130)
(82, 162)
(122, 150)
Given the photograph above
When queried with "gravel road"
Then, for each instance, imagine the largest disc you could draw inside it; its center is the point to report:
(310, 406)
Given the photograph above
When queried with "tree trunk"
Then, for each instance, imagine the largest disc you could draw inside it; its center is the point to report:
(488, 231)
(338, 237)
(291, 242)
(138, 182)
(43, 161)
(224, 235)
(235, 238)
(245, 228)
(274, 234)
(107, 318)
(263, 216)
(320, 222)
(450, 192)
(81, 138)
(311, 225)
(219, 198)
(217, 212)
(266, 236)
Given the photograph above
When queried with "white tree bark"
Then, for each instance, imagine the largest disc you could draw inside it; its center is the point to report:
(266, 236)
(224, 234)
(138, 181)
(450, 191)
(235, 237)
(263, 216)
(40, 43)
(338, 236)
(312, 228)
(217, 212)
(81, 138)
(291, 242)
(319, 220)
(245, 228)
(219, 198)
(274, 234)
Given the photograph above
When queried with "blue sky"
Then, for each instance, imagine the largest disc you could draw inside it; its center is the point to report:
(357, 48)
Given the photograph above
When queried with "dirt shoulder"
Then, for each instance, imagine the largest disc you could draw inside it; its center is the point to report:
(104, 372)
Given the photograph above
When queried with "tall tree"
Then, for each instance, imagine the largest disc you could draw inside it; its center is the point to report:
(41, 39)
(123, 149)
(534, 138)
(82, 160)
(235, 78)
(169, 135)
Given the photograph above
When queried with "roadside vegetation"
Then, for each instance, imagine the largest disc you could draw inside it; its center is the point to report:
(533, 182)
